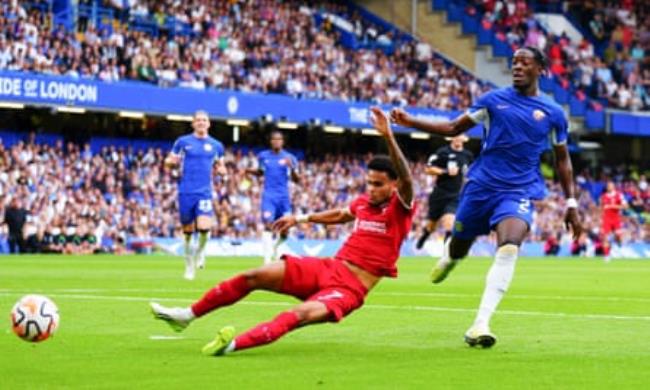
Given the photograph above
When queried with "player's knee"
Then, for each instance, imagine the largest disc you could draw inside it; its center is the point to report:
(311, 312)
(253, 278)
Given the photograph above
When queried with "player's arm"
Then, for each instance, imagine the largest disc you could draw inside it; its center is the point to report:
(173, 159)
(404, 177)
(254, 171)
(327, 217)
(434, 171)
(565, 172)
(451, 128)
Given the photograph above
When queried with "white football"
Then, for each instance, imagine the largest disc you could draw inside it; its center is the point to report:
(34, 318)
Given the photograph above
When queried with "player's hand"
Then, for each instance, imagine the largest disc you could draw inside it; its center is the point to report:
(380, 121)
(283, 224)
(400, 117)
(572, 222)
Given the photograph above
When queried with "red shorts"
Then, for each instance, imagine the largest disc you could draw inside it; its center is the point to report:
(324, 280)
(611, 225)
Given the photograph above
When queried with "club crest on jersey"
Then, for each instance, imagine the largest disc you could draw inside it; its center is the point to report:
(538, 115)
(283, 161)
(207, 147)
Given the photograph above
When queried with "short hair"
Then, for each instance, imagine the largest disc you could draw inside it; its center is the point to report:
(276, 132)
(538, 55)
(201, 112)
(383, 163)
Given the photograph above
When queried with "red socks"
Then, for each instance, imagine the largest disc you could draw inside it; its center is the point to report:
(267, 332)
(226, 293)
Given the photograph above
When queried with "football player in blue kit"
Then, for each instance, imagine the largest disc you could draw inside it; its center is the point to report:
(277, 166)
(197, 154)
(505, 178)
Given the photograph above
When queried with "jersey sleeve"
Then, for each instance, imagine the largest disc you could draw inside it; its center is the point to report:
(294, 162)
(260, 161)
(438, 159)
(560, 129)
(479, 111)
(219, 151)
(178, 147)
(352, 208)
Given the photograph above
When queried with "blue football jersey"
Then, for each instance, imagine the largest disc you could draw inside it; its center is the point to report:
(277, 171)
(516, 132)
(198, 155)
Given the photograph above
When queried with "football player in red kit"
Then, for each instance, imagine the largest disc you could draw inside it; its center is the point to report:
(329, 288)
(612, 202)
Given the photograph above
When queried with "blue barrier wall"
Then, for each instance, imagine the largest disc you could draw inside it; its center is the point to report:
(136, 96)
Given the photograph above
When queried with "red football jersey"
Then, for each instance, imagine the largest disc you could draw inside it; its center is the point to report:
(378, 234)
(613, 199)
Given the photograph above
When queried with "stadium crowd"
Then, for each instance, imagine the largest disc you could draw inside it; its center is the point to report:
(267, 46)
(620, 78)
(64, 198)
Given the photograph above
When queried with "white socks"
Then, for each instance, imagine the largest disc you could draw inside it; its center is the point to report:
(186, 314)
(267, 246)
(497, 283)
(188, 245)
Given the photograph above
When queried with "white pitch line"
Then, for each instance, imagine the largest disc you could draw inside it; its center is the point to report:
(369, 306)
(374, 293)
(161, 337)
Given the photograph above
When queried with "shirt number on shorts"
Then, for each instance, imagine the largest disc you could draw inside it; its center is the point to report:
(205, 205)
(524, 206)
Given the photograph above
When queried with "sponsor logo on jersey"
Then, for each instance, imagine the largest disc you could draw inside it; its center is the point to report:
(371, 226)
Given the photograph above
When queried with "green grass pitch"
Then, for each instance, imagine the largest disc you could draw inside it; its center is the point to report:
(565, 323)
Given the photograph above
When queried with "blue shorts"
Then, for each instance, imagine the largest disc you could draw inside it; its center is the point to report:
(191, 206)
(481, 209)
(274, 207)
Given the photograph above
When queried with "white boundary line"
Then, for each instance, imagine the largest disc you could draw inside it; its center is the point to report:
(369, 306)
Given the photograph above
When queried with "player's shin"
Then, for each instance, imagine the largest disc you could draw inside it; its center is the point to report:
(204, 236)
(267, 332)
(189, 257)
(497, 283)
(267, 246)
(280, 240)
(224, 294)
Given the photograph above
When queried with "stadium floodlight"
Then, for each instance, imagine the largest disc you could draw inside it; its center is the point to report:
(372, 132)
(287, 125)
(420, 135)
(70, 110)
(13, 106)
(179, 118)
(333, 129)
(131, 114)
(238, 122)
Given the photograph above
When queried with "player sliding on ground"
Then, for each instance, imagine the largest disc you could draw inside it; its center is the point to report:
(505, 178)
(329, 288)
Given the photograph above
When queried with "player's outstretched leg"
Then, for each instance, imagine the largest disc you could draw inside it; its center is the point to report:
(265, 333)
(454, 250)
(224, 294)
